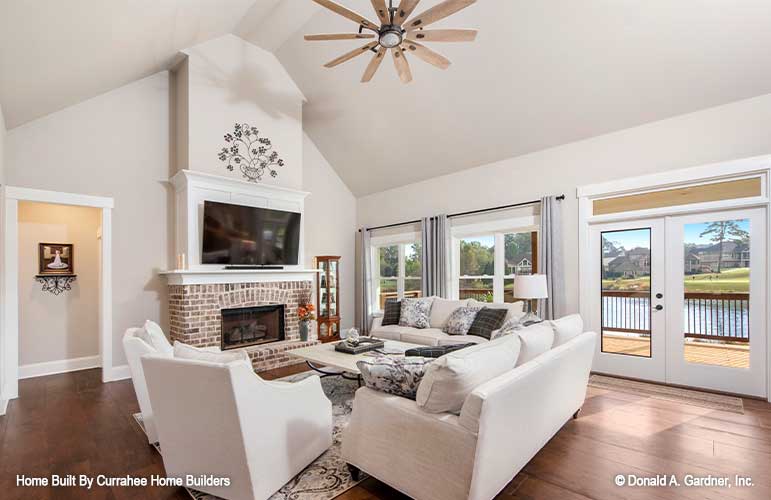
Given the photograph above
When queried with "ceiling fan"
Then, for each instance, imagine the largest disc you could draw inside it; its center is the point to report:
(399, 33)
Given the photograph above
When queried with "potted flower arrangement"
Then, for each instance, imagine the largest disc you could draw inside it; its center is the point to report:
(305, 315)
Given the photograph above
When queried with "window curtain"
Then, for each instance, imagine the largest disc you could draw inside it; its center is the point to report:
(550, 259)
(434, 231)
(365, 274)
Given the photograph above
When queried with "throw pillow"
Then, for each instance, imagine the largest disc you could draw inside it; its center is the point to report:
(566, 328)
(415, 313)
(157, 338)
(515, 309)
(435, 351)
(536, 339)
(441, 309)
(396, 375)
(451, 378)
(184, 351)
(507, 328)
(486, 321)
(460, 320)
(391, 312)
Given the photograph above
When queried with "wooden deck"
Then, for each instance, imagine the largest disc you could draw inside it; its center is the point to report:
(735, 356)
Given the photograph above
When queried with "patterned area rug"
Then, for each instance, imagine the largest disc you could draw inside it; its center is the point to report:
(328, 475)
(676, 394)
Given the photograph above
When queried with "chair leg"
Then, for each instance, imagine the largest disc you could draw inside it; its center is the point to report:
(354, 471)
(575, 415)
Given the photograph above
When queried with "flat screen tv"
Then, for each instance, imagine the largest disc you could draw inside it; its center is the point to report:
(237, 235)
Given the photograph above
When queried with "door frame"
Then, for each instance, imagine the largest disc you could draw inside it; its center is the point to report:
(759, 166)
(10, 197)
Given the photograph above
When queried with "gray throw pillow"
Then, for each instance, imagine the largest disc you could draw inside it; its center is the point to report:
(415, 313)
(435, 351)
(487, 321)
(391, 312)
(460, 320)
(396, 375)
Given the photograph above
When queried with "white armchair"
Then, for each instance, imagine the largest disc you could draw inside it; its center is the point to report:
(135, 347)
(224, 420)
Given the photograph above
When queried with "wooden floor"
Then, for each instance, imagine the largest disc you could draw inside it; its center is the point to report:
(73, 424)
(733, 355)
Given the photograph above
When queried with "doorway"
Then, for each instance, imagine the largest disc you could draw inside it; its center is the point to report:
(681, 299)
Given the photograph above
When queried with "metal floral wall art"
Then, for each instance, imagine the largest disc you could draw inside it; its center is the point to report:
(252, 154)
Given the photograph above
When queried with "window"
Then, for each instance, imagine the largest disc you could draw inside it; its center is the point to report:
(486, 264)
(396, 271)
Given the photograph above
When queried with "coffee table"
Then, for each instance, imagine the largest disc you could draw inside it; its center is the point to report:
(322, 356)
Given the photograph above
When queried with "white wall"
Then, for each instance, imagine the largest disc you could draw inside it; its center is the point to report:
(2, 146)
(736, 130)
(232, 81)
(330, 223)
(65, 326)
(114, 145)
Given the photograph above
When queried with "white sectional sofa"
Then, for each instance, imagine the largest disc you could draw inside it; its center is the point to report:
(440, 313)
(503, 422)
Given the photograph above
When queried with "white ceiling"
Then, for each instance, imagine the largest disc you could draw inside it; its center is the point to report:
(55, 53)
(540, 74)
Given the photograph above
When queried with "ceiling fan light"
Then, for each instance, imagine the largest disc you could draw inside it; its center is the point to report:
(390, 39)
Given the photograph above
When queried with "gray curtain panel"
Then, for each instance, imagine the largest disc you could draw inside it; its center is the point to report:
(365, 274)
(435, 256)
(550, 258)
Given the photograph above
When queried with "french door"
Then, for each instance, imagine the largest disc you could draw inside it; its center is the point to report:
(682, 299)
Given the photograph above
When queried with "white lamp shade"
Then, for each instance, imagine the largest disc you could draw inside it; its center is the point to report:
(532, 286)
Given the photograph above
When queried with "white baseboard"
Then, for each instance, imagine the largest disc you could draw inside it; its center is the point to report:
(121, 372)
(3, 406)
(62, 366)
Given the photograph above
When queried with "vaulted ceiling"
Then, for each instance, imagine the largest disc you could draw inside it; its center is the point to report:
(539, 75)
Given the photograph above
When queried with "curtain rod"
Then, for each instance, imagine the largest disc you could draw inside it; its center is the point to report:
(461, 214)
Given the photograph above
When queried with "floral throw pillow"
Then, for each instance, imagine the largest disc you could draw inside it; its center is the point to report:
(460, 320)
(507, 328)
(415, 313)
(396, 375)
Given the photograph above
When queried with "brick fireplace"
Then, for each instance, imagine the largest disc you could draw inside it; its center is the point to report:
(195, 312)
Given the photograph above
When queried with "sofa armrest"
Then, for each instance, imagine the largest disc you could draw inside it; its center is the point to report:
(434, 453)
(377, 321)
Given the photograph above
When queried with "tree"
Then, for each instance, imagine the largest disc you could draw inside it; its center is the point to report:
(412, 260)
(720, 231)
(389, 261)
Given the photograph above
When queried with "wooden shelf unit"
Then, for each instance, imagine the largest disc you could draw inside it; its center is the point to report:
(328, 297)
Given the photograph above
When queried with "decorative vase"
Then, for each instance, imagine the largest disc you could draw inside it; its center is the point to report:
(305, 328)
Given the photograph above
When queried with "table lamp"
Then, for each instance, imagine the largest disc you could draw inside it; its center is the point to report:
(529, 287)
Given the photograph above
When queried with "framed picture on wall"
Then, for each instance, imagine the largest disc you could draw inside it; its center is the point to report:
(56, 258)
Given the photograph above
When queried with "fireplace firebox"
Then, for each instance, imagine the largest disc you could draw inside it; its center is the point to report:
(247, 326)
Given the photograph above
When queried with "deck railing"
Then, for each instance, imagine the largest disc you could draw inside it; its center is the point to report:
(394, 295)
(706, 315)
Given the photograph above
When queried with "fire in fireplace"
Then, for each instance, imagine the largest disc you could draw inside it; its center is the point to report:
(245, 326)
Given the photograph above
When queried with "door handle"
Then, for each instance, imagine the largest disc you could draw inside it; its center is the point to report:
(659, 307)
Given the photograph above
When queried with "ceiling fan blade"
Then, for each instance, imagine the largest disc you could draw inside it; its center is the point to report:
(382, 11)
(427, 54)
(402, 66)
(345, 12)
(350, 55)
(338, 36)
(449, 35)
(405, 10)
(373, 65)
(437, 13)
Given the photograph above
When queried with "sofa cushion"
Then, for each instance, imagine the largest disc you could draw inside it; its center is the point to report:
(415, 312)
(460, 339)
(536, 339)
(460, 320)
(391, 312)
(515, 309)
(451, 378)
(390, 332)
(184, 351)
(487, 320)
(441, 310)
(436, 351)
(426, 336)
(396, 375)
(567, 328)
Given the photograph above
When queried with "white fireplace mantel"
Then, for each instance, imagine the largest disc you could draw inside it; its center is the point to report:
(219, 276)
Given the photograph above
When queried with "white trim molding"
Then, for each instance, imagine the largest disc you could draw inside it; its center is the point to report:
(60, 366)
(759, 166)
(10, 197)
(121, 372)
